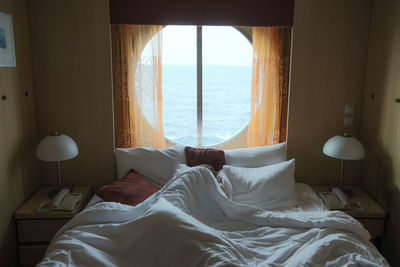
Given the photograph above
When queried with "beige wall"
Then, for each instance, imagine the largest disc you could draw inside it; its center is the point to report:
(72, 69)
(380, 128)
(330, 40)
(19, 172)
(73, 82)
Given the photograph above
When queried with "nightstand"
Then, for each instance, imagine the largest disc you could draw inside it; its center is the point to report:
(35, 229)
(372, 217)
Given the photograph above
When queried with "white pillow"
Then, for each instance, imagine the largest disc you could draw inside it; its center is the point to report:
(266, 187)
(177, 152)
(180, 167)
(147, 161)
(256, 156)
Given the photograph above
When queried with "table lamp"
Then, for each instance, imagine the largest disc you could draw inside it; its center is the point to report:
(344, 147)
(56, 148)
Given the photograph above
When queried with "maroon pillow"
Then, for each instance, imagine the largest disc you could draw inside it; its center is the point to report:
(132, 189)
(197, 156)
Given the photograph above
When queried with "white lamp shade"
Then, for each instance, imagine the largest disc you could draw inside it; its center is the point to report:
(344, 147)
(57, 148)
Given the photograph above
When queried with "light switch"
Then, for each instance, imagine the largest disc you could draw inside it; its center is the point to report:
(349, 109)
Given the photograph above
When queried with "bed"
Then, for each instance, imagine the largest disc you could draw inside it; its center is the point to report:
(249, 213)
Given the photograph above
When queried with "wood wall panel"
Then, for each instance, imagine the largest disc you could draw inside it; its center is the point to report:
(19, 172)
(380, 128)
(72, 68)
(74, 94)
(329, 50)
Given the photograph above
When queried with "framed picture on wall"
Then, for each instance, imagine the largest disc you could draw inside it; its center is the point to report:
(7, 51)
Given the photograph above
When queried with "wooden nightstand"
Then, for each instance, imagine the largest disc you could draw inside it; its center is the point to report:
(372, 217)
(35, 229)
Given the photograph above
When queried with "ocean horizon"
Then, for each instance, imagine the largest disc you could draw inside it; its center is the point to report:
(226, 102)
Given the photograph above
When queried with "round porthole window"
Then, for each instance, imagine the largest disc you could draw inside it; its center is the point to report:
(225, 86)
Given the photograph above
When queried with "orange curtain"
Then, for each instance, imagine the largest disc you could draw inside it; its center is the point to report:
(269, 89)
(137, 83)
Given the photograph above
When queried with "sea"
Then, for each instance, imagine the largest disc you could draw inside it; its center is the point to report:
(226, 102)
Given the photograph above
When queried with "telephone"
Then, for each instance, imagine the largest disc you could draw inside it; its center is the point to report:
(65, 200)
(335, 200)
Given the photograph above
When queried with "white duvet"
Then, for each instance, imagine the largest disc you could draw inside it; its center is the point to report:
(190, 222)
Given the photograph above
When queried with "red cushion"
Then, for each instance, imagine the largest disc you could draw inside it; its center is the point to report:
(197, 156)
(132, 189)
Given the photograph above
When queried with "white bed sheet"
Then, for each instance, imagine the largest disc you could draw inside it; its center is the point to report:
(94, 200)
(187, 223)
(308, 200)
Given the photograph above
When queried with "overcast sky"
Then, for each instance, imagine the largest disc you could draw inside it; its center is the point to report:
(221, 46)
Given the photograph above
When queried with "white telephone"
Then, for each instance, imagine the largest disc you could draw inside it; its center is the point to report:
(335, 200)
(66, 200)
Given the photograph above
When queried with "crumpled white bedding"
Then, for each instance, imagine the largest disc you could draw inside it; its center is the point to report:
(190, 222)
(308, 200)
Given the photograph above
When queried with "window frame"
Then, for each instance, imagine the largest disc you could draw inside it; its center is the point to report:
(247, 33)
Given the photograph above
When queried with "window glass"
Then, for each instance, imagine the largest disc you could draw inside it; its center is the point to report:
(179, 83)
(227, 59)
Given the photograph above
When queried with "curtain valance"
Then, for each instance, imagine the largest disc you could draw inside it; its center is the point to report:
(205, 12)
